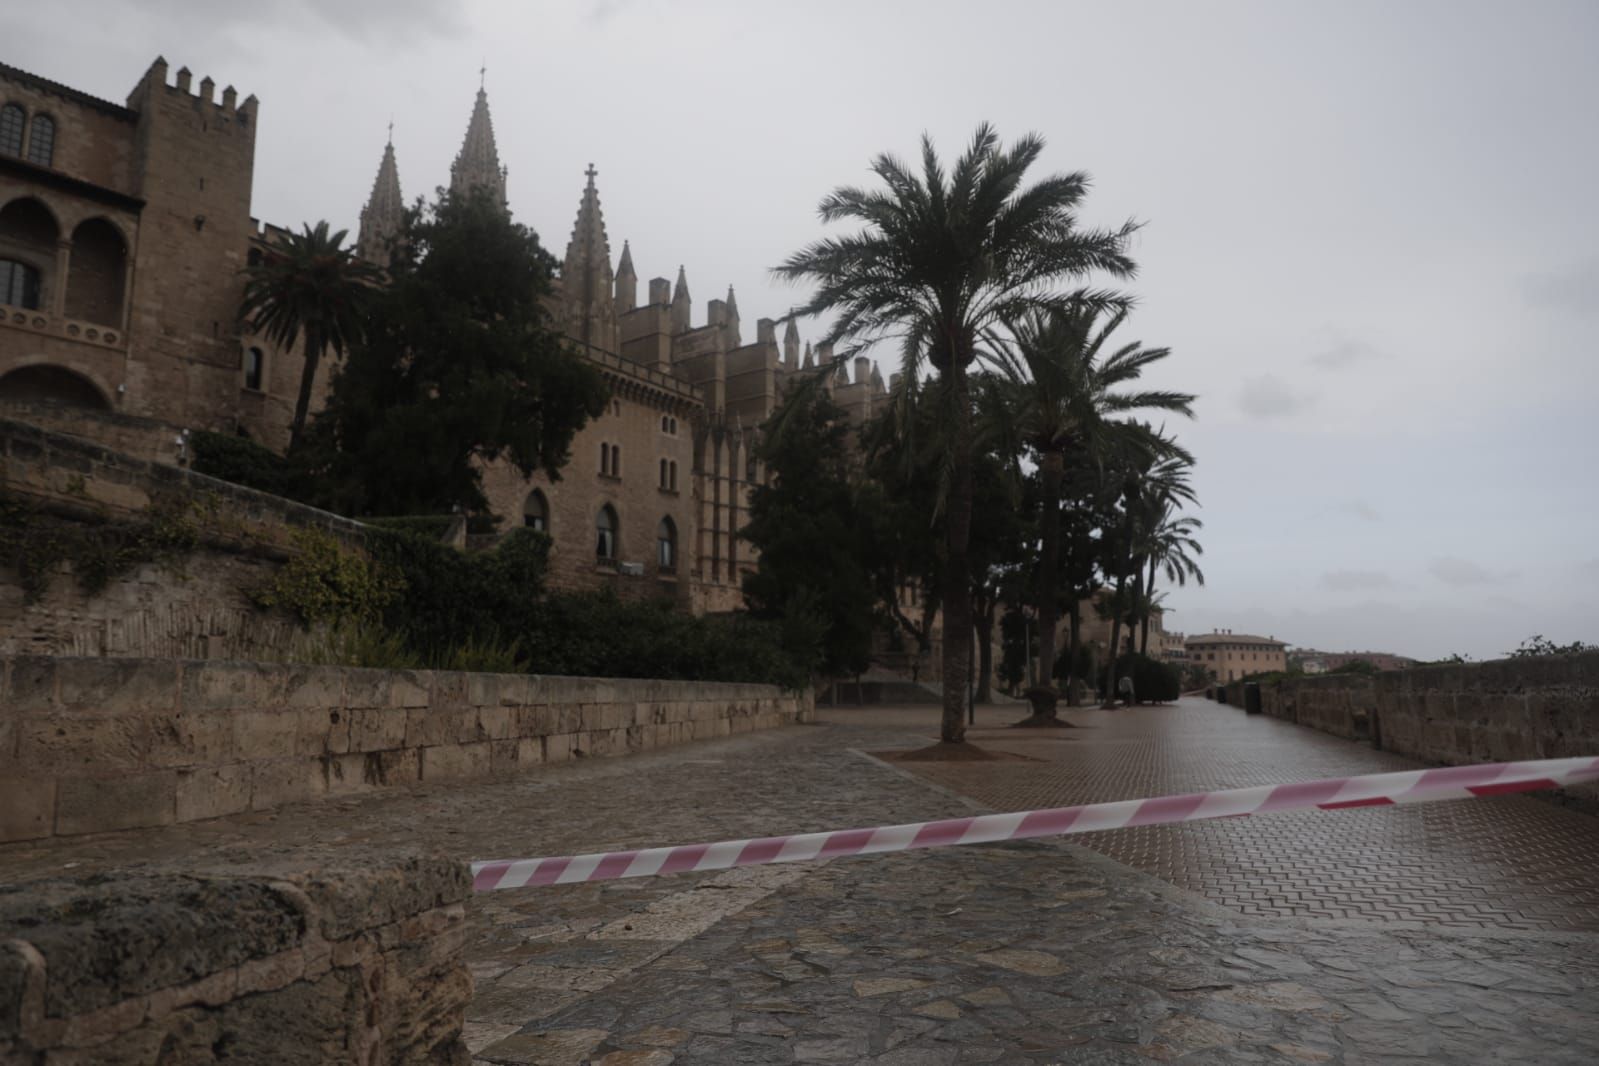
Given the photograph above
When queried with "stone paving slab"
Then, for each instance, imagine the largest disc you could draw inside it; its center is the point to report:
(1515, 863)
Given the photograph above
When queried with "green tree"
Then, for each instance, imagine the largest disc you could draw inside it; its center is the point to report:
(812, 572)
(1066, 389)
(459, 366)
(308, 286)
(942, 263)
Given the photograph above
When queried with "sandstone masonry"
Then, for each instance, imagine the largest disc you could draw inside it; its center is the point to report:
(90, 745)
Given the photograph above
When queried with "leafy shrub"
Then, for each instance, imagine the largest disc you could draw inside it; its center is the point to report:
(1153, 680)
(244, 462)
(35, 544)
(326, 583)
(432, 526)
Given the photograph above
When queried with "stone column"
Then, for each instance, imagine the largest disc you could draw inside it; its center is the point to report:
(58, 293)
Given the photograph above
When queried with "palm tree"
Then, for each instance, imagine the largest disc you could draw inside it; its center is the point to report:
(308, 286)
(1171, 546)
(942, 263)
(1066, 390)
(1151, 488)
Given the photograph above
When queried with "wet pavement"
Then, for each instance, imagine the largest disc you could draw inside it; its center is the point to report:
(1032, 952)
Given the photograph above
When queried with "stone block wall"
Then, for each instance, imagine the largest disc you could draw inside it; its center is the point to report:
(89, 745)
(277, 966)
(1503, 711)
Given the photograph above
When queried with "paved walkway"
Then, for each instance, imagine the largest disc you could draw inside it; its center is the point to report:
(1034, 952)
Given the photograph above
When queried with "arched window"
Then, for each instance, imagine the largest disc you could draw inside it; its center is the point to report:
(666, 544)
(605, 458)
(672, 475)
(19, 284)
(673, 430)
(663, 474)
(254, 368)
(95, 279)
(616, 460)
(536, 512)
(12, 121)
(605, 534)
(42, 142)
(663, 425)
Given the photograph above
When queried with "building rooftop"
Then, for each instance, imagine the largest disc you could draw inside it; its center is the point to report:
(66, 91)
(1233, 638)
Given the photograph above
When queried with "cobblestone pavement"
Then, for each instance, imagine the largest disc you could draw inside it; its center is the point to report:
(1517, 864)
(1034, 952)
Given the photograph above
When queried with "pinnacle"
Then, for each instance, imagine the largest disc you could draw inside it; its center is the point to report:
(384, 211)
(680, 292)
(792, 332)
(478, 164)
(624, 266)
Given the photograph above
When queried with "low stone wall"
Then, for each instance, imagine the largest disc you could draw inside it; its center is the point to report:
(89, 745)
(1503, 711)
(142, 438)
(308, 967)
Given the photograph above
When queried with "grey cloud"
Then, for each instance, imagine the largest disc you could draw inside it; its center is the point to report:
(1268, 396)
(1356, 580)
(391, 20)
(1360, 509)
(1452, 570)
(1345, 352)
(1574, 289)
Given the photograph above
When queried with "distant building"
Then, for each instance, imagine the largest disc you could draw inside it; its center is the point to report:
(1228, 656)
(1312, 661)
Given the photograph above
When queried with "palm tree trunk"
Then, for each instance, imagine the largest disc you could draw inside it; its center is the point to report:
(302, 405)
(1051, 470)
(1149, 609)
(984, 621)
(1074, 643)
(1115, 638)
(957, 574)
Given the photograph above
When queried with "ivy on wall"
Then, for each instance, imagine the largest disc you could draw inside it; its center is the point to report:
(36, 544)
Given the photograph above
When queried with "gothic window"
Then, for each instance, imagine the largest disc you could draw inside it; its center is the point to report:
(605, 534)
(19, 284)
(42, 144)
(664, 483)
(99, 269)
(673, 430)
(666, 544)
(672, 478)
(605, 458)
(616, 460)
(536, 512)
(663, 425)
(12, 120)
(254, 365)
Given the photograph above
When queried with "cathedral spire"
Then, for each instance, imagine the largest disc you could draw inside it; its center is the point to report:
(478, 165)
(626, 282)
(731, 325)
(791, 346)
(384, 212)
(586, 276)
(682, 305)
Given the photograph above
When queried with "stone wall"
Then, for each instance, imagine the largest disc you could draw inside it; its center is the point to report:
(269, 967)
(141, 438)
(90, 745)
(195, 607)
(1503, 711)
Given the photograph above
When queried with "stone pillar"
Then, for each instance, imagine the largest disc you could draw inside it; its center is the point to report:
(58, 294)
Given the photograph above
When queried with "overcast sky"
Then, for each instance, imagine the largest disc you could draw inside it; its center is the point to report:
(1372, 236)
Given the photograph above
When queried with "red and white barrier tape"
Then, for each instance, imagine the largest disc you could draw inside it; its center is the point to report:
(1408, 786)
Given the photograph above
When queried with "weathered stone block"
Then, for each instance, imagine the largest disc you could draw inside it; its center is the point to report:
(456, 762)
(537, 721)
(349, 773)
(60, 743)
(529, 751)
(27, 808)
(289, 780)
(505, 756)
(411, 688)
(221, 686)
(558, 747)
(98, 805)
(198, 739)
(368, 688)
(316, 686)
(213, 792)
(31, 685)
(401, 766)
(266, 734)
(117, 686)
(323, 731)
(378, 728)
(496, 723)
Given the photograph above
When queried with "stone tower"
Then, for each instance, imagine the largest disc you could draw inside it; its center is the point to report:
(626, 282)
(478, 165)
(384, 213)
(586, 279)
